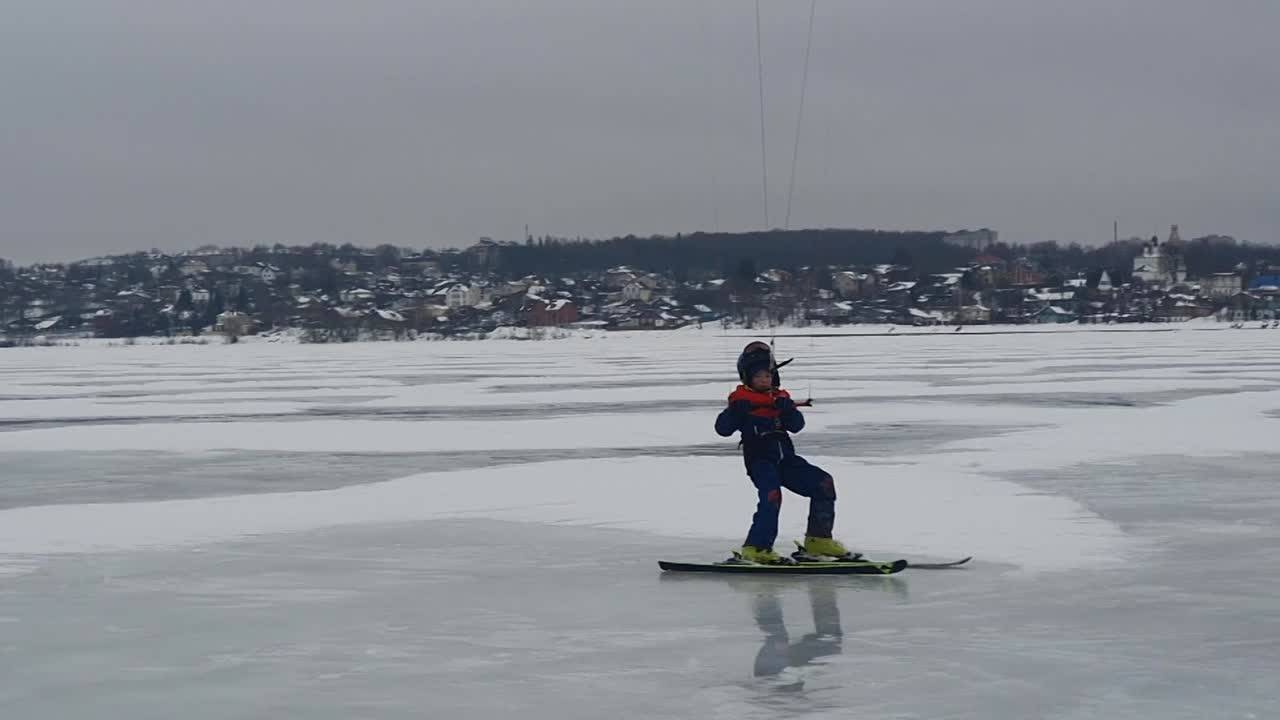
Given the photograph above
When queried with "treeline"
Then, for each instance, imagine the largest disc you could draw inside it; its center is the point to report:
(722, 253)
(699, 255)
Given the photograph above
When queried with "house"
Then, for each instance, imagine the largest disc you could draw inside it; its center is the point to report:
(235, 324)
(1221, 285)
(1050, 295)
(1104, 283)
(636, 290)
(618, 278)
(973, 315)
(191, 268)
(830, 312)
(538, 312)
(1265, 283)
(647, 318)
(357, 295)
(461, 295)
(916, 316)
(989, 270)
(850, 284)
(1183, 310)
(1055, 314)
(1024, 272)
(900, 293)
(268, 273)
(48, 324)
(388, 321)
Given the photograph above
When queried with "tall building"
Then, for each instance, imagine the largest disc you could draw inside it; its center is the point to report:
(978, 240)
(1156, 266)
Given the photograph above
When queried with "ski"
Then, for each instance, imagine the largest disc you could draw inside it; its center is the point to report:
(939, 565)
(810, 566)
(800, 555)
(865, 567)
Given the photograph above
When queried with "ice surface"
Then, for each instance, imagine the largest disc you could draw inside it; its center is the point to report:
(656, 495)
(444, 529)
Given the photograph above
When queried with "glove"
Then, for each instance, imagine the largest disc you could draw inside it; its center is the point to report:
(784, 404)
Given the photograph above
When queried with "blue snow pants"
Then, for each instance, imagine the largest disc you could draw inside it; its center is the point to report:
(797, 475)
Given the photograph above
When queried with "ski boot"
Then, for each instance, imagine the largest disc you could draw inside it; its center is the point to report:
(816, 549)
(759, 556)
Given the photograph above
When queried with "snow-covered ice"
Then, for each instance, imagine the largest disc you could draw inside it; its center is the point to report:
(454, 529)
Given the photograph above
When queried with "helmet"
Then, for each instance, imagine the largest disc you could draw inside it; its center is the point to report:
(755, 357)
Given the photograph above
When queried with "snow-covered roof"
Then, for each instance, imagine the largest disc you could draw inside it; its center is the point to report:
(48, 324)
(1050, 296)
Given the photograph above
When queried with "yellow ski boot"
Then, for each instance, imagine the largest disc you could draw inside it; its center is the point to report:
(822, 548)
(761, 556)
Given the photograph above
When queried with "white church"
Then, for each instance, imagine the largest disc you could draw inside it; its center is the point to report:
(1156, 267)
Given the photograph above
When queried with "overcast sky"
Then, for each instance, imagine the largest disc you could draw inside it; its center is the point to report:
(175, 123)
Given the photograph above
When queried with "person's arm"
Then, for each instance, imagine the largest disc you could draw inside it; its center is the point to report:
(791, 418)
(730, 420)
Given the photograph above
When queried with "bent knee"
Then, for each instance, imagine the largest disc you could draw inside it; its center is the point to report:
(827, 486)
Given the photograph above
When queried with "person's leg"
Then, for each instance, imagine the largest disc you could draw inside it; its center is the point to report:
(764, 524)
(811, 481)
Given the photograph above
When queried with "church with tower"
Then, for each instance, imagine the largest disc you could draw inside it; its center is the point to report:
(1156, 266)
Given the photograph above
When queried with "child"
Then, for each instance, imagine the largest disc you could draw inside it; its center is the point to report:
(765, 414)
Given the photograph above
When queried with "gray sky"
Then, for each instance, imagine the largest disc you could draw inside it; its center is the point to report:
(174, 123)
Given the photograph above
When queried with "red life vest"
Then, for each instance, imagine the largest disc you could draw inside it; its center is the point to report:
(761, 402)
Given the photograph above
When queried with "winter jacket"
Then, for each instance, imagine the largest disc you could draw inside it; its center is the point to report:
(764, 420)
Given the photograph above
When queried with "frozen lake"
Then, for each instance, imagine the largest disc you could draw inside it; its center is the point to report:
(471, 530)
